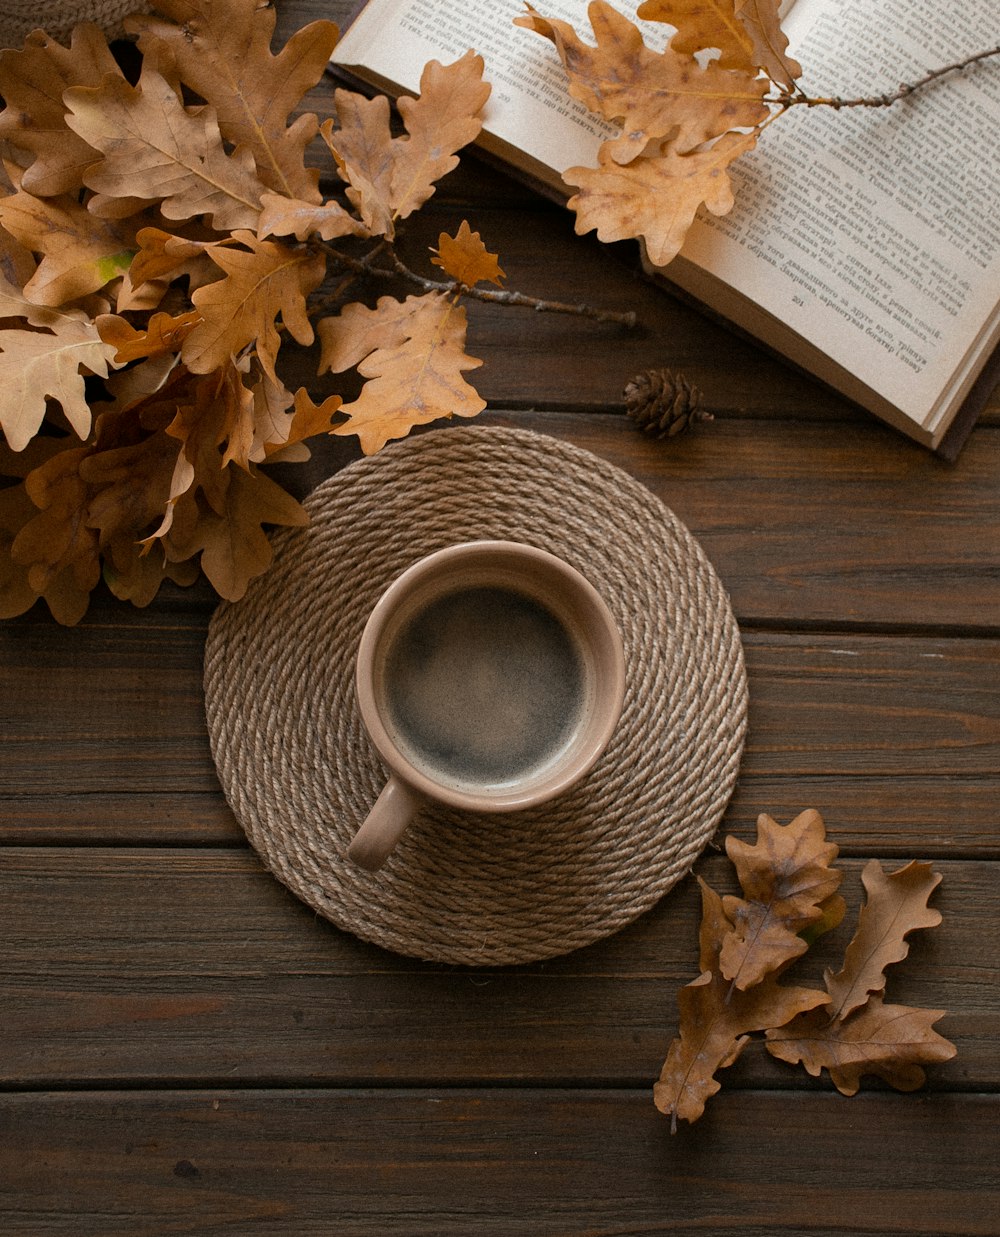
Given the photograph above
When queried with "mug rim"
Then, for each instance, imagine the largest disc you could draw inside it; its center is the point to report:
(507, 799)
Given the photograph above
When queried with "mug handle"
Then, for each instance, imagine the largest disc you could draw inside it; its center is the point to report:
(385, 824)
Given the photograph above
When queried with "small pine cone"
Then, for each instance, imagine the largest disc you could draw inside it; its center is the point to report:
(662, 403)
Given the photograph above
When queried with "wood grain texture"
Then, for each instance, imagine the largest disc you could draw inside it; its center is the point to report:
(120, 710)
(503, 1163)
(191, 965)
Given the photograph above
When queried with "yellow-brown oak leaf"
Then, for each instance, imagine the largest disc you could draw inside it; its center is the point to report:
(896, 905)
(391, 177)
(655, 198)
(164, 333)
(361, 144)
(716, 1021)
(199, 420)
(32, 83)
(702, 24)
(413, 355)
(134, 575)
(654, 96)
(56, 546)
(15, 306)
(161, 255)
(154, 148)
(39, 364)
(786, 878)
(16, 510)
(264, 280)
(232, 543)
(466, 259)
(129, 486)
(445, 116)
(283, 216)
(17, 263)
(222, 50)
(79, 252)
(271, 418)
(893, 1042)
(306, 421)
(762, 21)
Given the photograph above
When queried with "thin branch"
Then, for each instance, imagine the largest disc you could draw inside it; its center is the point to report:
(368, 266)
(797, 96)
(501, 296)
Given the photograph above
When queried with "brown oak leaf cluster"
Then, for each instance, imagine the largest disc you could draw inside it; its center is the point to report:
(684, 114)
(161, 233)
(790, 897)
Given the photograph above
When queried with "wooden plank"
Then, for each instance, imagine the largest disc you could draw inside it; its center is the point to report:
(197, 966)
(911, 542)
(901, 815)
(116, 705)
(823, 524)
(826, 525)
(529, 1163)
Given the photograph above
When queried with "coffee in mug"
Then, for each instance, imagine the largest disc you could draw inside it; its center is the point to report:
(490, 677)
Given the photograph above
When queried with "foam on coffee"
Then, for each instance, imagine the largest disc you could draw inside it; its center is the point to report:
(483, 687)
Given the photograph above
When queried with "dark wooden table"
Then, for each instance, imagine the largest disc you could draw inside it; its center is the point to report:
(188, 1049)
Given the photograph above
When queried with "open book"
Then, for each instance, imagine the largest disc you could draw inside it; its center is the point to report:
(865, 243)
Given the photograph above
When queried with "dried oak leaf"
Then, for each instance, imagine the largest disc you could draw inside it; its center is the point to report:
(892, 1042)
(716, 1019)
(155, 149)
(232, 543)
(857, 1033)
(32, 83)
(413, 355)
(466, 259)
(762, 21)
(786, 879)
(701, 24)
(60, 552)
(283, 216)
(655, 96)
(391, 177)
(15, 306)
(16, 510)
(129, 485)
(39, 364)
(264, 280)
(80, 253)
(222, 50)
(161, 255)
(895, 906)
(307, 420)
(655, 197)
(164, 334)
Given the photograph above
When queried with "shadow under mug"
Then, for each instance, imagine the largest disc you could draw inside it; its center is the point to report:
(490, 677)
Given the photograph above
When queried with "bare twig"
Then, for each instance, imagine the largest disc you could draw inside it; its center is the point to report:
(501, 296)
(797, 96)
(367, 266)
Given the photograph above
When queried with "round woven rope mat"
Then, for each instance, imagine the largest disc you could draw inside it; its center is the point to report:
(300, 773)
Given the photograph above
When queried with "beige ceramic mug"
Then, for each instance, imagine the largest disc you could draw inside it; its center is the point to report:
(490, 677)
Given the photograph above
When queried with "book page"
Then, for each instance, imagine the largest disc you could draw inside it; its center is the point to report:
(875, 233)
(529, 107)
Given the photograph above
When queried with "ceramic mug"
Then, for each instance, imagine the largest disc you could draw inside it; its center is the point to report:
(490, 677)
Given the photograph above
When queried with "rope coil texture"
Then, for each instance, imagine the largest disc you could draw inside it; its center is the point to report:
(300, 773)
(19, 17)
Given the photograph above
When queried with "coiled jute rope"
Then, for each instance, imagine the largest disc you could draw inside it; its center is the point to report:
(300, 774)
(19, 17)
